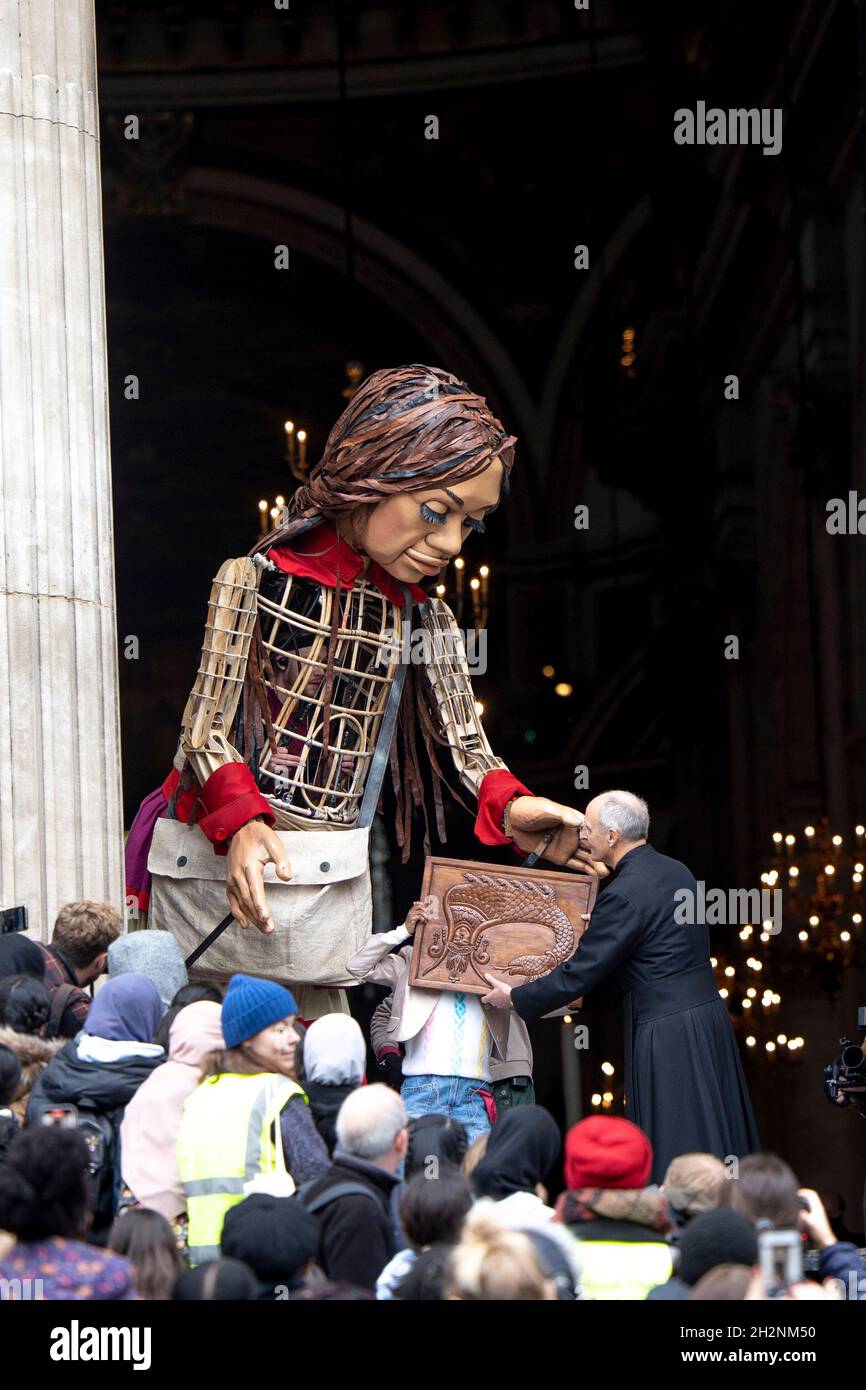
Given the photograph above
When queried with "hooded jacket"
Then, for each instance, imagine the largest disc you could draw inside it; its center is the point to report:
(334, 1059)
(97, 1088)
(154, 954)
(148, 1133)
(101, 1069)
(106, 1087)
(523, 1147)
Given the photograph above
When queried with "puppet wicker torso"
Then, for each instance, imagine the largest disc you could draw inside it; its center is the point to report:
(305, 785)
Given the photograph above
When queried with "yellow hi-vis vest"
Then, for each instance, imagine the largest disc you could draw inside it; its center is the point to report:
(622, 1269)
(225, 1140)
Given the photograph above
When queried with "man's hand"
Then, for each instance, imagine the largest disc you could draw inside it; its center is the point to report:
(814, 1220)
(500, 994)
(251, 848)
(531, 816)
(421, 912)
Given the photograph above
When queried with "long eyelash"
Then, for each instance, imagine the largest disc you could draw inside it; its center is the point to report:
(438, 519)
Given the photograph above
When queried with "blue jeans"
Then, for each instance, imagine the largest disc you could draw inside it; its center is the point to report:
(448, 1095)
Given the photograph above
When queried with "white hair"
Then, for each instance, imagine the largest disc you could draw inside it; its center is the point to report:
(624, 812)
(369, 1121)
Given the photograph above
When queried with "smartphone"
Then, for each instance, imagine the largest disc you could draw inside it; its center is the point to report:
(62, 1116)
(13, 919)
(781, 1258)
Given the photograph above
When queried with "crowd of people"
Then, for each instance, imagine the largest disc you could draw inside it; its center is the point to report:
(167, 1140)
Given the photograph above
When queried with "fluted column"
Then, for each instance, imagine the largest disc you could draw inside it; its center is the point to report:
(61, 823)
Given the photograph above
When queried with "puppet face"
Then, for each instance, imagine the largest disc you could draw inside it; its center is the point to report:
(413, 534)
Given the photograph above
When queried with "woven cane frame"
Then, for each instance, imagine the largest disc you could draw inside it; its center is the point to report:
(366, 656)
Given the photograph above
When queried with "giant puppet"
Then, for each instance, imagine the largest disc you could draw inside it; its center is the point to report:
(307, 692)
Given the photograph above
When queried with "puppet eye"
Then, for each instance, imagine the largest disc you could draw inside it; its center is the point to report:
(435, 518)
(477, 526)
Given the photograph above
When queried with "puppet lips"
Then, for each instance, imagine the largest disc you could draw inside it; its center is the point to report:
(423, 562)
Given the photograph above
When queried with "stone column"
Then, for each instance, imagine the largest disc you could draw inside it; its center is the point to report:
(61, 826)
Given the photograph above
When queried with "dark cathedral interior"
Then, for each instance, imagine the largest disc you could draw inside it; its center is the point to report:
(666, 607)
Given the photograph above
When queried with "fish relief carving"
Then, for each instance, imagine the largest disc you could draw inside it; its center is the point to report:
(481, 902)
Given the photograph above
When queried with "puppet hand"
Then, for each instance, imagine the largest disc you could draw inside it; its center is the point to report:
(531, 816)
(584, 862)
(251, 848)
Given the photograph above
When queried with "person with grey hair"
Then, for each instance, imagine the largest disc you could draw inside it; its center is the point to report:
(352, 1201)
(684, 1081)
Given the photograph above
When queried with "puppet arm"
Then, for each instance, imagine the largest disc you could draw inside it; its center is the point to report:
(229, 795)
(453, 698)
(480, 771)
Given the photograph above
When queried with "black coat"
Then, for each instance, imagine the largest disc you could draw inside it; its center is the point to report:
(684, 1081)
(357, 1237)
(102, 1088)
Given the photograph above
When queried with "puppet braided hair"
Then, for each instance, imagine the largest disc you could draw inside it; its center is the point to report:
(403, 429)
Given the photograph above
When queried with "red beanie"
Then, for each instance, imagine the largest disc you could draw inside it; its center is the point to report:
(606, 1151)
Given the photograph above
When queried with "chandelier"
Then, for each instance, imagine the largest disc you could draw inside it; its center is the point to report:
(752, 1002)
(821, 876)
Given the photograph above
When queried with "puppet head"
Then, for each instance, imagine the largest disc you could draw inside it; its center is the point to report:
(409, 469)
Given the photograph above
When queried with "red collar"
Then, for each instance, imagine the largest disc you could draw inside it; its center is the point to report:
(320, 554)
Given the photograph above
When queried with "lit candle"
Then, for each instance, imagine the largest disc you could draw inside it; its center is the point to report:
(289, 427)
(302, 445)
(460, 567)
(484, 571)
(475, 588)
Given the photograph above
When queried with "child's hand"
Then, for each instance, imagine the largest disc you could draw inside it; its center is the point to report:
(419, 913)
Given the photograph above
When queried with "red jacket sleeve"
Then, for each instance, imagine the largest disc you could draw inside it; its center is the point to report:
(230, 798)
(497, 789)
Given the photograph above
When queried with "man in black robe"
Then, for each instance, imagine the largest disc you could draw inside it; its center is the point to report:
(684, 1082)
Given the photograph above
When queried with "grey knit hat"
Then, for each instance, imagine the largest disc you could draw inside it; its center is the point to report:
(155, 954)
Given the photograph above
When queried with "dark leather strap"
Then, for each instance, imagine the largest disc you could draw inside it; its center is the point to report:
(379, 760)
(59, 999)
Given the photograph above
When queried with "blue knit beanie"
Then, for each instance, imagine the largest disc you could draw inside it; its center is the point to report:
(251, 1005)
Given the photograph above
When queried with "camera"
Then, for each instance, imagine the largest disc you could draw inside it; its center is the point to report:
(845, 1077)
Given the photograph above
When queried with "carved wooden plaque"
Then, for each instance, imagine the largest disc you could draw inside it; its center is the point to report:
(516, 923)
